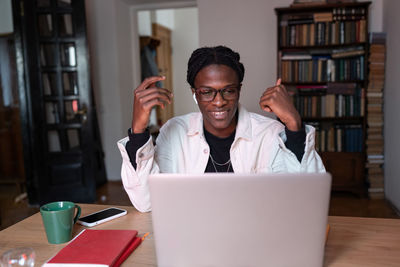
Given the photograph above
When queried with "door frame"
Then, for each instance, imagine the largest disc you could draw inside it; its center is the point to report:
(151, 5)
(24, 89)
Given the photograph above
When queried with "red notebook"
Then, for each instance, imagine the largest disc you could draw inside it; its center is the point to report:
(97, 248)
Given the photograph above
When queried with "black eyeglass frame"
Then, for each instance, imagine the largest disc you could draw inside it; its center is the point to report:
(220, 91)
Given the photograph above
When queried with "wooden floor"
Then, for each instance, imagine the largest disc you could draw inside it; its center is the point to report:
(341, 204)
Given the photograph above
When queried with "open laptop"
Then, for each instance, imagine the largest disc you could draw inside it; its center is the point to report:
(240, 219)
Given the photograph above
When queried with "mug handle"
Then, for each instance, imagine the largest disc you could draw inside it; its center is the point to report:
(78, 213)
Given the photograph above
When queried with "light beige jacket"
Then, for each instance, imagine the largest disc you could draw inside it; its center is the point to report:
(258, 147)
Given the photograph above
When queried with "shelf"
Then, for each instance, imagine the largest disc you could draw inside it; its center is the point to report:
(321, 83)
(347, 154)
(319, 7)
(57, 39)
(318, 47)
(300, 26)
(55, 126)
(58, 97)
(355, 120)
(56, 69)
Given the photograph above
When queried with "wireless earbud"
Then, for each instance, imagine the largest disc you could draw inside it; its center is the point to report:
(195, 100)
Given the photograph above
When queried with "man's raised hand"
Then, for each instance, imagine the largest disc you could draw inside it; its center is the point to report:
(277, 100)
(146, 96)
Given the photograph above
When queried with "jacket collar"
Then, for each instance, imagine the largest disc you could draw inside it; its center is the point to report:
(243, 128)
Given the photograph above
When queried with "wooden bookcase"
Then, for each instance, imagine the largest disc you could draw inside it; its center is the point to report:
(323, 62)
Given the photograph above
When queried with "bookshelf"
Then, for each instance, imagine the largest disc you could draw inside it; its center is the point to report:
(323, 62)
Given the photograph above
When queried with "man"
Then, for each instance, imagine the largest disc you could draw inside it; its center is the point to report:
(222, 137)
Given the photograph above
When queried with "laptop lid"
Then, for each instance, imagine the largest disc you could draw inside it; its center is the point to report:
(240, 219)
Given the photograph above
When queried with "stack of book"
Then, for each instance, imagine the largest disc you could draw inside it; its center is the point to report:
(374, 141)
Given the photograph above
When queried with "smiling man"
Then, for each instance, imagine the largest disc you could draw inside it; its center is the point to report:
(222, 137)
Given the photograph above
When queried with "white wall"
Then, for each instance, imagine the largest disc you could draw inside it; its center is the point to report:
(109, 35)
(126, 43)
(248, 27)
(165, 17)
(144, 22)
(391, 25)
(6, 23)
(185, 39)
(103, 51)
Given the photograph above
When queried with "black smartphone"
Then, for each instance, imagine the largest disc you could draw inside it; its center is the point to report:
(101, 216)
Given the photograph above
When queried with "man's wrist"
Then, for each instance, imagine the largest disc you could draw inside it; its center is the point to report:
(138, 130)
(294, 126)
(132, 133)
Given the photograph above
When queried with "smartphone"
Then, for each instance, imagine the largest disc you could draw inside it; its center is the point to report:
(101, 216)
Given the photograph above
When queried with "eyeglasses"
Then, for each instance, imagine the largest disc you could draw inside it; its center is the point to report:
(207, 94)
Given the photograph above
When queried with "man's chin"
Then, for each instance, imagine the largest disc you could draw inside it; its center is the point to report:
(220, 125)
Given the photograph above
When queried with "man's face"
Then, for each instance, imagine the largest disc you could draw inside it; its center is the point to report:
(218, 114)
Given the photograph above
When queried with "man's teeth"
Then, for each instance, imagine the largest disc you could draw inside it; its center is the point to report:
(219, 114)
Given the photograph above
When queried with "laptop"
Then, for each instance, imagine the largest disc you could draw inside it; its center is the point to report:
(216, 219)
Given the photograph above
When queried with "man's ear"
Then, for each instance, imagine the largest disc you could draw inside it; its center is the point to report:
(194, 96)
(195, 99)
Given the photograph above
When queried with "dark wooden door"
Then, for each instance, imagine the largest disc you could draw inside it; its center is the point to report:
(164, 63)
(62, 156)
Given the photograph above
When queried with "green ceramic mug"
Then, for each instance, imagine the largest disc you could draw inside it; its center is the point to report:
(58, 220)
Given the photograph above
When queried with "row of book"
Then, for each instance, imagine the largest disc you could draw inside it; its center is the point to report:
(330, 106)
(340, 138)
(322, 69)
(336, 14)
(348, 13)
(339, 13)
(374, 140)
(322, 33)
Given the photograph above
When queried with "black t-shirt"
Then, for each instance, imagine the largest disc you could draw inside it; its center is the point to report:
(219, 151)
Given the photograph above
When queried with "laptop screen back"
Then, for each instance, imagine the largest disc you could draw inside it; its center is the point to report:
(240, 219)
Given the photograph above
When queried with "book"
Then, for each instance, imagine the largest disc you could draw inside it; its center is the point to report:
(340, 53)
(97, 248)
(296, 56)
(341, 88)
(322, 16)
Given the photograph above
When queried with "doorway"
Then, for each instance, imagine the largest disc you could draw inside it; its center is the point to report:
(180, 26)
(63, 159)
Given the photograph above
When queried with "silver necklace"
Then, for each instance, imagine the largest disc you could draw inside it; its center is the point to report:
(220, 164)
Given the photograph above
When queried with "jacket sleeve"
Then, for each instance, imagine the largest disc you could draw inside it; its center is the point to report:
(135, 181)
(286, 161)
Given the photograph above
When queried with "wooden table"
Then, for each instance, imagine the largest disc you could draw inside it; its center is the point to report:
(351, 242)
(30, 232)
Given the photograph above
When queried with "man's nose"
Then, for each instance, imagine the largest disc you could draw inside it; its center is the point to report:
(219, 100)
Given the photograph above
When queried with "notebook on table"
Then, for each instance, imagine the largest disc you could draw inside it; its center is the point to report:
(240, 219)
